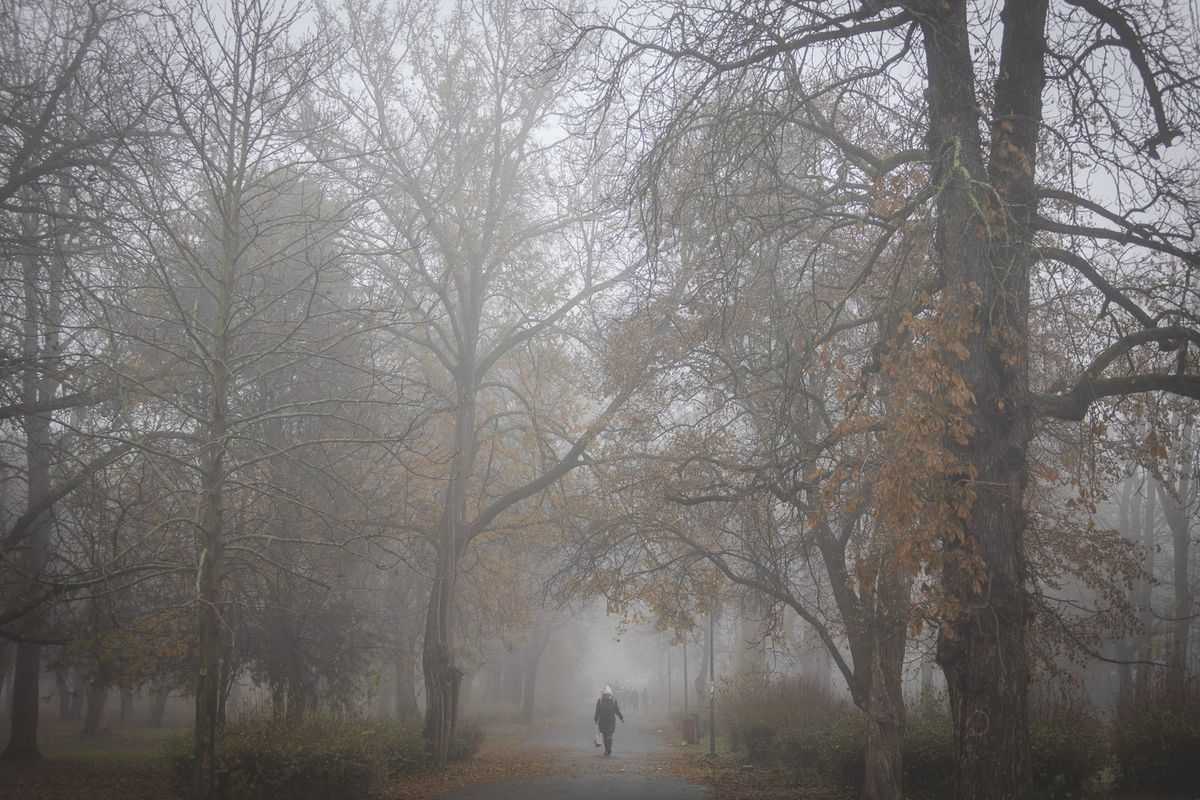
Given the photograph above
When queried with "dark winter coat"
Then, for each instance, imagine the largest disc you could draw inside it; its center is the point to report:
(606, 715)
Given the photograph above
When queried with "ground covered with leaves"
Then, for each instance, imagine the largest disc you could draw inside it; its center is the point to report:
(132, 765)
(116, 765)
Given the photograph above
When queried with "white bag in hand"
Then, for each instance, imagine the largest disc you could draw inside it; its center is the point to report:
(598, 741)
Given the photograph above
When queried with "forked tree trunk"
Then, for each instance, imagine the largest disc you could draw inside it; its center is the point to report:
(985, 218)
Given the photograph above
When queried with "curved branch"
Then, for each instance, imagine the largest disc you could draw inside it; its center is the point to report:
(1073, 405)
(1132, 41)
(1111, 293)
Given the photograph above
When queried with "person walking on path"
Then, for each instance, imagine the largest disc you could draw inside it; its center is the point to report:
(607, 712)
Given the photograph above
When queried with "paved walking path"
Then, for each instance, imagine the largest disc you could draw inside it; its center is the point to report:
(593, 776)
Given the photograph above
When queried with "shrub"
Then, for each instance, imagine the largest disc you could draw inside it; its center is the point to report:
(1067, 743)
(929, 755)
(1065, 757)
(1157, 741)
(320, 759)
(788, 726)
(757, 710)
(467, 739)
(833, 749)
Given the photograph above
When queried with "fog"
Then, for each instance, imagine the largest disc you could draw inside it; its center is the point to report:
(436, 365)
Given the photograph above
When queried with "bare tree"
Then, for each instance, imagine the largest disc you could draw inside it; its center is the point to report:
(70, 101)
(455, 133)
(241, 296)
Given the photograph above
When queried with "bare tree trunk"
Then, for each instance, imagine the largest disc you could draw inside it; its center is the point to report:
(6, 651)
(443, 678)
(927, 664)
(126, 705)
(1144, 597)
(22, 744)
(97, 699)
(158, 708)
(533, 655)
(278, 700)
(493, 682)
(1130, 514)
(78, 696)
(884, 774)
(208, 689)
(39, 341)
(406, 686)
(297, 702)
(1173, 500)
(63, 691)
(511, 676)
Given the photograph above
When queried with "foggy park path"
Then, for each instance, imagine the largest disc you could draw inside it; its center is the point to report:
(587, 773)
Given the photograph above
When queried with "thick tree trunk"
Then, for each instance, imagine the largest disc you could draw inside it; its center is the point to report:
(984, 244)
(39, 340)
(23, 742)
(443, 678)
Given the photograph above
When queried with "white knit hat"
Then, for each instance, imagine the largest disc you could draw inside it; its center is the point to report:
(607, 690)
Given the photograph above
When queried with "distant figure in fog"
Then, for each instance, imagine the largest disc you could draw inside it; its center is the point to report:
(645, 699)
(607, 711)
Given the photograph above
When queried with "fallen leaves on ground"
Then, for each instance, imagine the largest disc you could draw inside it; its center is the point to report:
(729, 778)
(501, 758)
(73, 780)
